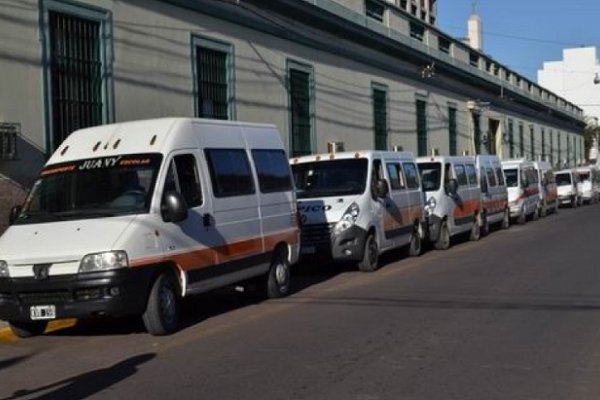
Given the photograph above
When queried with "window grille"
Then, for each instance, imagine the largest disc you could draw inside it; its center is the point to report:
(300, 112)
(212, 83)
(75, 74)
(380, 119)
(8, 140)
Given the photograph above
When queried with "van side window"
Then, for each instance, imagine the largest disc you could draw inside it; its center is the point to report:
(500, 176)
(482, 180)
(472, 174)
(491, 177)
(273, 170)
(183, 177)
(396, 177)
(412, 175)
(461, 175)
(376, 176)
(229, 172)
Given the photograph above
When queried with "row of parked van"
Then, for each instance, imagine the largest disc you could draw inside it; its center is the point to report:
(356, 205)
(129, 218)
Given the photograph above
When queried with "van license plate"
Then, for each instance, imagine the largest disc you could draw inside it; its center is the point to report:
(308, 250)
(42, 312)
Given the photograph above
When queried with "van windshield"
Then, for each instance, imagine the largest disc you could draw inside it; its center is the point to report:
(330, 178)
(563, 179)
(92, 188)
(584, 176)
(512, 177)
(431, 176)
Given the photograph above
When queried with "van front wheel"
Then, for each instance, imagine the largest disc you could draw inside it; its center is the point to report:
(162, 311)
(277, 282)
(370, 259)
(26, 329)
(443, 241)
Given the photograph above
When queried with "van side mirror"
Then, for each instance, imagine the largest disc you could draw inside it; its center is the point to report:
(381, 188)
(173, 208)
(452, 187)
(14, 214)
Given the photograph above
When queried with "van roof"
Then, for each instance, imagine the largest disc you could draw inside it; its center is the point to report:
(142, 136)
(443, 159)
(344, 155)
(516, 162)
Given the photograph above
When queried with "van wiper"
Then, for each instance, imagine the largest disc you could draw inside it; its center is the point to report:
(43, 214)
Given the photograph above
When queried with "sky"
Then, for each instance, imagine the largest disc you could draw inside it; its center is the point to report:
(523, 34)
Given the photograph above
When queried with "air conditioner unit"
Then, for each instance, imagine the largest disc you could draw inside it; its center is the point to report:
(335, 147)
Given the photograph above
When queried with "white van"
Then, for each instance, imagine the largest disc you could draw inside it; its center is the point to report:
(126, 219)
(566, 183)
(494, 194)
(356, 205)
(453, 197)
(523, 191)
(589, 184)
(547, 188)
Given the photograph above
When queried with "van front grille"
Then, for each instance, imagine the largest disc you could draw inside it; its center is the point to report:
(316, 233)
(45, 297)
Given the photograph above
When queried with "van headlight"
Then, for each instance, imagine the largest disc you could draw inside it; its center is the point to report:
(348, 219)
(430, 206)
(4, 272)
(106, 261)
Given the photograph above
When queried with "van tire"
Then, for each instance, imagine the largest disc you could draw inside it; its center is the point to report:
(485, 225)
(162, 311)
(505, 224)
(543, 210)
(475, 233)
(370, 260)
(574, 202)
(522, 218)
(443, 241)
(27, 329)
(277, 282)
(416, 245)
(535, 216)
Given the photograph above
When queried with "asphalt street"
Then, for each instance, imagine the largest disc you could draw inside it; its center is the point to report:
(515, 315)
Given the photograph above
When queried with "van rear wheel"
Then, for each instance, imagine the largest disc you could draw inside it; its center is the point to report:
(475, 231)
(27, 329)
(506, 219)
(277, 282)
(162, 311)
(370, 260)
(443, 241)
(415, 246)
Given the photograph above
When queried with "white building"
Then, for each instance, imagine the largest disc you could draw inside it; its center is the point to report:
(576, 78)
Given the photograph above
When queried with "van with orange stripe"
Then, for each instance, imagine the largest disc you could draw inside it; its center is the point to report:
(126, 219)
(453, 196)
(548, 191)
(494, 195)
(356, 205)
(523, 191)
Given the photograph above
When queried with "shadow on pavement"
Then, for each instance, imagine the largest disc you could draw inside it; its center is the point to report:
(86, 384)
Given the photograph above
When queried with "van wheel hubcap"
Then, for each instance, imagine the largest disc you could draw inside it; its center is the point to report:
(281, 273)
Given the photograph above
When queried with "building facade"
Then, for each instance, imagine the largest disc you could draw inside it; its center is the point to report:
(576, 77)
(323, 71)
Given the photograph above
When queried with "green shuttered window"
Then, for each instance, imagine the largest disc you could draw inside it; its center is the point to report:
(452, 134)
(422, 127)
(300, 109)
(380, 118)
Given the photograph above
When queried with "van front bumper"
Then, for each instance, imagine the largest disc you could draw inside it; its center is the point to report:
(348, 245)
(118, 292)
